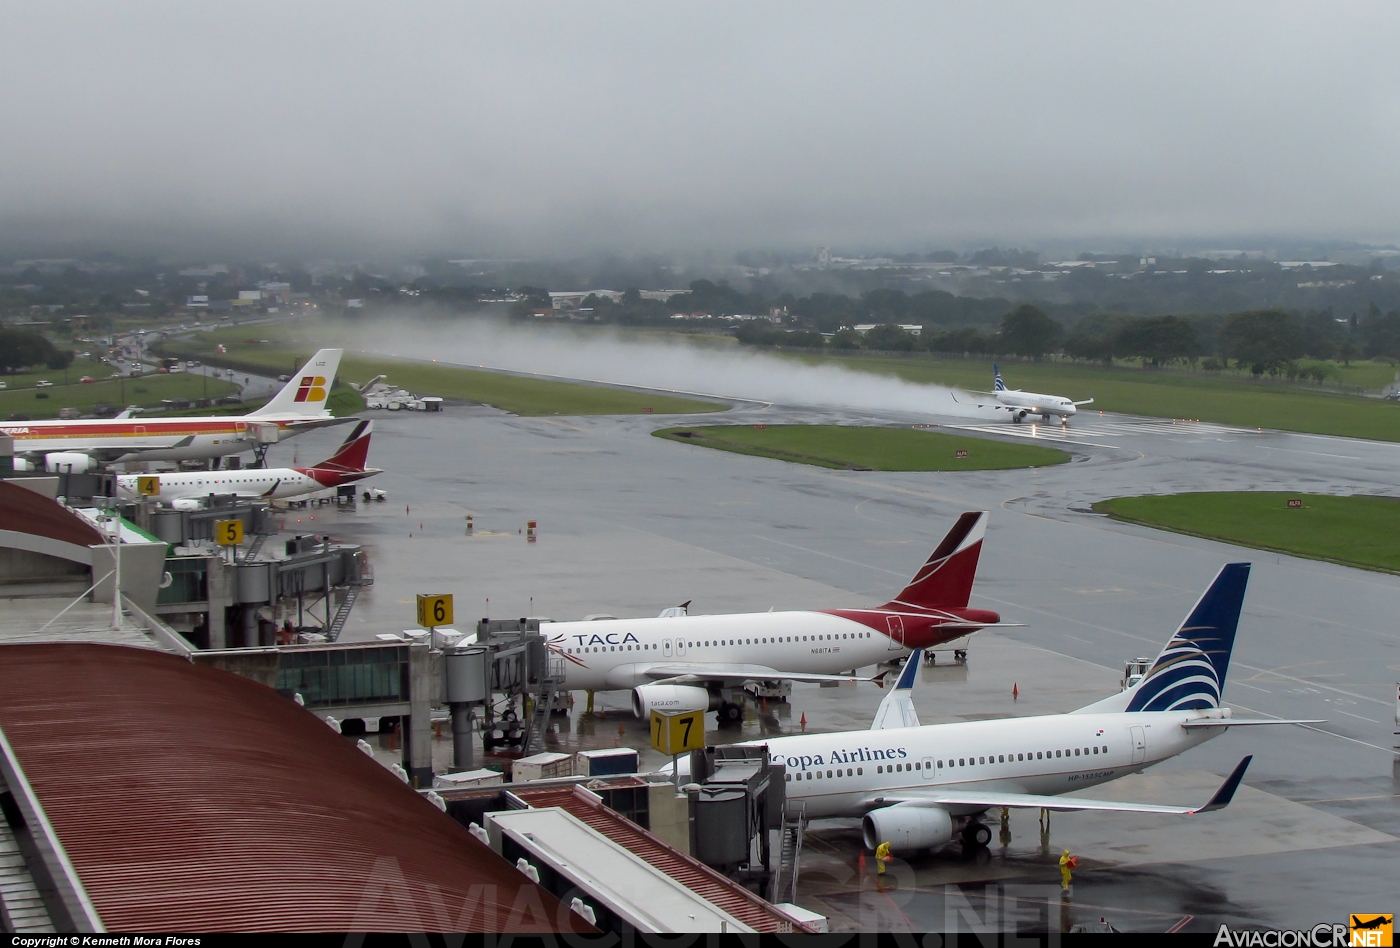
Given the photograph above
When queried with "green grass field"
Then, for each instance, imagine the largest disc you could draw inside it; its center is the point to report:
(1224, 398)
(1354, 531)
(862, 448)
(520, 395)
(146, 391)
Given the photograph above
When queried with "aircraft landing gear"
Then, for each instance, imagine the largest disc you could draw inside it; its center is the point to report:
(976, 835)
(730, 715)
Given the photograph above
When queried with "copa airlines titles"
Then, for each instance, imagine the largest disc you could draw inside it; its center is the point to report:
(859, 755)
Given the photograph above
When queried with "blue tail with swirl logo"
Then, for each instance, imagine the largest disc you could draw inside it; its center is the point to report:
(1190, 672)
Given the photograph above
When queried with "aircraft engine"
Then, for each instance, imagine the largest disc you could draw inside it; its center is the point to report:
(187, 503)
(22, 465)
(649, 698)
(907, 827)
(68, 462)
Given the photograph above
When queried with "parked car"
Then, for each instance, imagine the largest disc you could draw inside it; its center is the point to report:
(87, 380)
(43, 383)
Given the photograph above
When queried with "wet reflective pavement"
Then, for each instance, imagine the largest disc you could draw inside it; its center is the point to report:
(630, 524)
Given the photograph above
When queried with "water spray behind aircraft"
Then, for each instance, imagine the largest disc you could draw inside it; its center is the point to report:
(681, 365)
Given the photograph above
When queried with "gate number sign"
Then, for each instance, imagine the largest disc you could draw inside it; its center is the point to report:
(228, 532)
(434, 610)
(677, 732)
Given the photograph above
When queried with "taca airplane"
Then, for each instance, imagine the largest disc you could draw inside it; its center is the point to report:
(916, 787)
(76, 446)
(188, 491)
(1021, 404)
(682, 662)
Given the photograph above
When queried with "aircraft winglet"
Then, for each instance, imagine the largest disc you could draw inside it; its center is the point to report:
(1226, 793)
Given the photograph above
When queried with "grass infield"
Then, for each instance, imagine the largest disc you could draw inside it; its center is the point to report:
(1353, 531)
(866, 448)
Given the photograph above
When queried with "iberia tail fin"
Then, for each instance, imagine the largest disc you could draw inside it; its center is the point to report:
(307, 391)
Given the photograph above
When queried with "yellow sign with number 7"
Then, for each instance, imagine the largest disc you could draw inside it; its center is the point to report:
(677, 732)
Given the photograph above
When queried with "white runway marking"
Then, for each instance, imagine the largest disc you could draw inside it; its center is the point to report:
(1076, 434)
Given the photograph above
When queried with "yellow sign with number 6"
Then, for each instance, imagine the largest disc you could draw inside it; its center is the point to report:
(150, 486)
(434, 610)
(677, 732)
(228, 532)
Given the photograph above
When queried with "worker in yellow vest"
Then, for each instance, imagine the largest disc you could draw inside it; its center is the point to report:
(1067, 864)
(882, 856)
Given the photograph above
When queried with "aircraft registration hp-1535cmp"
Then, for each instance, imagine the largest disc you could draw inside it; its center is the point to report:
(914, 787)
(1022, 404)
(72, 447)
(682, 662)
(189, 490)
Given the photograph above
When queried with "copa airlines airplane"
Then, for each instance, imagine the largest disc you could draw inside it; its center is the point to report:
(187, 491)
(915, 787)
(1021, 404)
(76, 446)
(690, 663)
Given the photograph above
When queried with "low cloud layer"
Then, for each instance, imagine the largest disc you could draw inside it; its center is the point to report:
(552, 127)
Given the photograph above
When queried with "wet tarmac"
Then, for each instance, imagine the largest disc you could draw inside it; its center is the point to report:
(630, 524)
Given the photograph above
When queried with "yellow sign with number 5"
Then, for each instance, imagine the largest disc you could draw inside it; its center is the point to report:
(228, 532)
(677, 732)
(434, 610)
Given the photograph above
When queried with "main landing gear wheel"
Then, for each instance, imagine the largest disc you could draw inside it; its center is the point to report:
(976, 835)
(960, 656)
(731, 714)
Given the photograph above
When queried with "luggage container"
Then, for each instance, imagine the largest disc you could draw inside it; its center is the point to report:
(605, 762)
(542, 767)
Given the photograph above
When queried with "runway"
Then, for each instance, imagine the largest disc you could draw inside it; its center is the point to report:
(630, 524)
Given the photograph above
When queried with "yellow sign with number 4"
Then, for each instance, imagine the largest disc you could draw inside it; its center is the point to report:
(434, 611)
(228, 532)
(677, 732)
(148, 485)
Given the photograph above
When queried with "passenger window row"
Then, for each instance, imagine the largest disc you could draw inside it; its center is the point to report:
(718, 642)
(849, 772)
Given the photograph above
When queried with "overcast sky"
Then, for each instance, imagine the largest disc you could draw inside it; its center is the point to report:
(541, 128)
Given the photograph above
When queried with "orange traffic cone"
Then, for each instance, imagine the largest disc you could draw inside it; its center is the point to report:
(804, 720)
(1015, 691)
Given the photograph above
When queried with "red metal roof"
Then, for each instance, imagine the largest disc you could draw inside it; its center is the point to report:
(24, 511)
(720, 890)
(190, 799)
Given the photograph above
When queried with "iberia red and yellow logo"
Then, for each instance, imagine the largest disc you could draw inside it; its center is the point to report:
(312, 388)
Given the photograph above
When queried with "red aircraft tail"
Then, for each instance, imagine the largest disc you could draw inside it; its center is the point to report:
(945, 581)
(350, 458)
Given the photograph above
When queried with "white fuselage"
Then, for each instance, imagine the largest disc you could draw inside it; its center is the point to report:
(1036, 404)
(613, 654)
(844, 773)
(283, 482)
(154, 439)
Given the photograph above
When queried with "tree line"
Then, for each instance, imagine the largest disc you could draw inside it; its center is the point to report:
(22, 349)
(1267, 341)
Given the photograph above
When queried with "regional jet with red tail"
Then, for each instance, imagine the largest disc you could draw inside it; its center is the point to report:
(680, 662)
(188, 490)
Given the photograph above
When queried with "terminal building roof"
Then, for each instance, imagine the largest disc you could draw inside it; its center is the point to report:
(184, 798)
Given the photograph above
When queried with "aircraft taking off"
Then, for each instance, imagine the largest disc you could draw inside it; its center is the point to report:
(188, 490)
(1021, 404)
(71, 447)
(681, 662)
(925, 781)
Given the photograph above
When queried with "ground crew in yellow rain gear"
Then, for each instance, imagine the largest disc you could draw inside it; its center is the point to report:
(1067, 863)
(882, 856)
